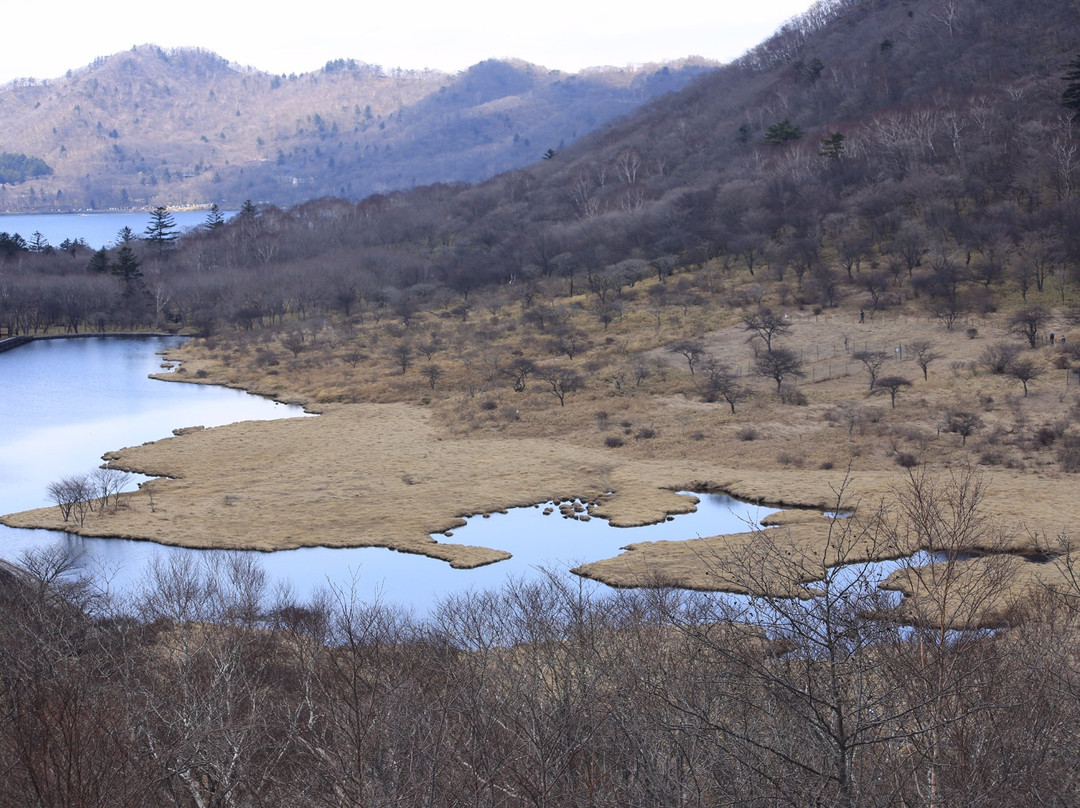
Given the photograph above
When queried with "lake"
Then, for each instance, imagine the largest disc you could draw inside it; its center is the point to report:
(97, 229)
(66, 402)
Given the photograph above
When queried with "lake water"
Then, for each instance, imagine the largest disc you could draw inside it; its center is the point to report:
(66, 402)
(98, 229)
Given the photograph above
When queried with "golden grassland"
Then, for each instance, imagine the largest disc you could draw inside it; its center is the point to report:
(400, 451)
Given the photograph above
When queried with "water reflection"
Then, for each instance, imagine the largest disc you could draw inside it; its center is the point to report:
(535, 540)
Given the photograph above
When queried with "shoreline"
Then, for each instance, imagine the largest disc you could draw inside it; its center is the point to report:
(11, 343)
(211, 492)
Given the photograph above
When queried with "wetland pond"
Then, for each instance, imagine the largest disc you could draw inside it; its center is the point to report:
(66, 402)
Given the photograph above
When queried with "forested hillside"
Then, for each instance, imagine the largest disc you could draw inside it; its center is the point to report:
(185, 127)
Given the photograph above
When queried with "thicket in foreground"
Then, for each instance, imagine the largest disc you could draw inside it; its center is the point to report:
(208, 689)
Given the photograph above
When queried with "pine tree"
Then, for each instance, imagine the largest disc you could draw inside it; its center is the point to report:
(99, 262)
(782, 132)
(127, 265)
(214, 219)
(1070, 99)
(832, 147)
(161, 232)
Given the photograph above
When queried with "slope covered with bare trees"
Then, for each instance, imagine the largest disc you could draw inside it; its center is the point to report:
(184, 127)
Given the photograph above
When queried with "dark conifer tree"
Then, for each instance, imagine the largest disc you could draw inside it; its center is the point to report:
(99, 261)
(161, 232)
(1070, 99)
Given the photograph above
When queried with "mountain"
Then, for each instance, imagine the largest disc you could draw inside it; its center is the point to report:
(179, 127)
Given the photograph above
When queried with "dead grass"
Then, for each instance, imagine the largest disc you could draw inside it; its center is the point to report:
(392, 460)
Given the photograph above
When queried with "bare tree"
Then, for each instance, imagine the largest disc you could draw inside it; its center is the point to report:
(1024, 370)
(798, 710)
(998, 356)
(691, 350)
(432, 373)
(872, 361)
(925, 354)
(722, 382)
(561, 381)
(403, 356)
(294, 341)
(963, 423)
(765, 324)
(74, 497)
(109, 482)
(778, 364)
(891, 385)
(519, 371)
(1028, 321)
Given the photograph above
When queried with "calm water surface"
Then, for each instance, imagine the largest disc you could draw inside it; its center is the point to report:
(66, 402)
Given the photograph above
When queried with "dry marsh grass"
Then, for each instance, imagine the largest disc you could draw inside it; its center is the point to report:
(399, 453)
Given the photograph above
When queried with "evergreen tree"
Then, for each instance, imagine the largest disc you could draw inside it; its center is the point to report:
(125, 235)
(214, 219)
(99, 262)
(127, 265)
(11, 244)
(40, 244)
(1070, 99)
(782, 132)
(161, 232)
(832, 147)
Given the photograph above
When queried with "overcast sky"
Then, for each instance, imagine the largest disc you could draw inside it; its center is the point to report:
(45, 38)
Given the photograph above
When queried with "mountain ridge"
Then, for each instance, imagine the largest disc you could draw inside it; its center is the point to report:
(185, 126)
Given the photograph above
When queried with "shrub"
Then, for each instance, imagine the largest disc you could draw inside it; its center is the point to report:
(747, 433)
(1045, 436)
(790, 394)
(906, 460)
(489, 404)
(613, 441)
(1069, 454)
(645, 433)
(996, 358)
(265, 358)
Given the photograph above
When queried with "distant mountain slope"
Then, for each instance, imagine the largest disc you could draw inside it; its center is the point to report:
(151, 126)
(865, 131)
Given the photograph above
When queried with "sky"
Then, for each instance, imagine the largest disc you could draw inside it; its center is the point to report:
(58, 35)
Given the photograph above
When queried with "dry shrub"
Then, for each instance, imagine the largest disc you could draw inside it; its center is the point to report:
(788, 459)
(790, 394)
(746, 433)
(1045, 435)
(906, 460)
(1069, 453)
